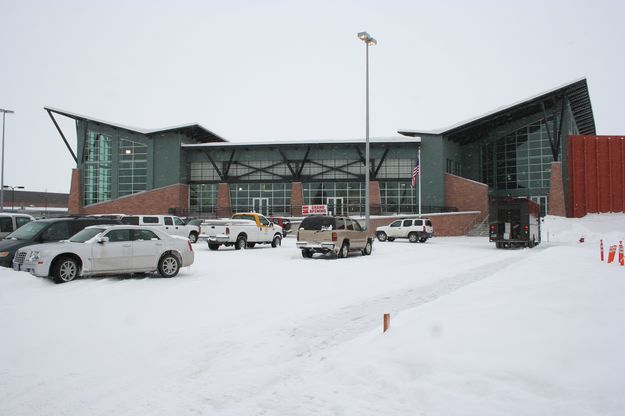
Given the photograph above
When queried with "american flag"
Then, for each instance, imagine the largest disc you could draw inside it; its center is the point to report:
(415, 173)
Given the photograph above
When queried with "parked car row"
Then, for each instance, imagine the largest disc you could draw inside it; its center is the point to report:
(67, 248)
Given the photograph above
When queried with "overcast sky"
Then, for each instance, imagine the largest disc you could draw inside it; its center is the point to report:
(288, 70)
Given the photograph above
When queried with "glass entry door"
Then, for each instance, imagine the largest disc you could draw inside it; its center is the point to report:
(335, 206)
(261, 205)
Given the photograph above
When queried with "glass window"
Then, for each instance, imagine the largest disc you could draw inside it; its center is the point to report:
(357, 226)
(278, 197)
(150, 220)
(132, 171)
(178, 221)
(97, 168)
(144, 235)
(19, 221)
(168, 221)
(407, 223)
(398, 197)
(6, 224)
(118, 235)
(396, 224)
(264, 221)
(57, 231)
(203, 199)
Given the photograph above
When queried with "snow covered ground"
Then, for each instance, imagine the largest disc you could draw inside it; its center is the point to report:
(474, 331)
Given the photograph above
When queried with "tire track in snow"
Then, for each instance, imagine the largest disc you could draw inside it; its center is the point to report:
(319, 333)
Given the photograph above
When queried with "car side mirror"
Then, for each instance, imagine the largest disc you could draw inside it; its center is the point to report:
(271, 224)
(103, 240)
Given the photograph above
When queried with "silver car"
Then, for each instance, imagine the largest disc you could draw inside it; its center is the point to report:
(107, 249)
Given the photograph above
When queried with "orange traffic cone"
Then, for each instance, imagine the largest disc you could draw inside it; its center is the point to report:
(612, 253)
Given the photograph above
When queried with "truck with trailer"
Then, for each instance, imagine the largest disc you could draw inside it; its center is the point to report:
(514, 222)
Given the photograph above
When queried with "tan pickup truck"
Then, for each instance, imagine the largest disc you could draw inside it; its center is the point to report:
(332, 235)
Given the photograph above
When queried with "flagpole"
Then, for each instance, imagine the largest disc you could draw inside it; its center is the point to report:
(420, 170)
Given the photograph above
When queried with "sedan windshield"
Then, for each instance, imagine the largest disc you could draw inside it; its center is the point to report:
(28, 231)
(85, 235)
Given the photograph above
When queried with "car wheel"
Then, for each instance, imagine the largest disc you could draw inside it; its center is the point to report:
(277, 241)
(307, 254)
(368, 248)
(251, 245)
(413, 237)
(168, 265)
(423, 239)
(65, 270)
(193, 237)
(381, 236)
(213, 246)
(344, 250)
(391, 239)
(241, 243)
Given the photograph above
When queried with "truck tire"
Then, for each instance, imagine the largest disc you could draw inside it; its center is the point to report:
(413, 237)
(307, 253)
(241, 243)
(423, 239)
(381, 236)
(277, 241)
(391, 239)
(368, 248)
(193, 237)
(343, 251)
(213, 246)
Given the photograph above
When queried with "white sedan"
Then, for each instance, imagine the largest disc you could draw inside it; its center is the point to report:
(107, 249)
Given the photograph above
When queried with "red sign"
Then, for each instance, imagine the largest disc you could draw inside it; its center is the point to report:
(314, 209)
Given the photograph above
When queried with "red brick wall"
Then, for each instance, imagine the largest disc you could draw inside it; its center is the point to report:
(297, 199)
(375, 198)
(596, 168)
(556, 191)
(157, 201)
(74, 202)
(224, 209)
(466, 195)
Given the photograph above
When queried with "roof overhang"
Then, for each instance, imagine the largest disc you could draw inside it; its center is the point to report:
(192, 130)
(575, 92)
(376, 140)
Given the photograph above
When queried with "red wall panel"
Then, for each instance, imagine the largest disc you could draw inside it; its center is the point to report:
(596, 174)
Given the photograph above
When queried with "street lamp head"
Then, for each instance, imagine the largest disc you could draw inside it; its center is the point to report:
(2, 110)
(365, 37)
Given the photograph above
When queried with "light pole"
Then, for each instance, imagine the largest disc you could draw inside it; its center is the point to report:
(4, 113)
(13, 188)
(369, 41)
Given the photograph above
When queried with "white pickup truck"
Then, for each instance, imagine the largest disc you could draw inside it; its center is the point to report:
(242, 231)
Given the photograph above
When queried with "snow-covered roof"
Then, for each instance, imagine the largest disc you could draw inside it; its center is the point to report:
(193, 130)
(576, 91)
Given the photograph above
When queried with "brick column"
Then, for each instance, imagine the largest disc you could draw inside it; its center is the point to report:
(556, 191)
(74, 202)
(297, 199)
(224, 208)
(375, 199)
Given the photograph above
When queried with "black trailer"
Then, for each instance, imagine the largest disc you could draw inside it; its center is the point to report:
(514, 222)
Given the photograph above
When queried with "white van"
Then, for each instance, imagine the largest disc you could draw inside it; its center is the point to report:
(10, 221)
(168, 223)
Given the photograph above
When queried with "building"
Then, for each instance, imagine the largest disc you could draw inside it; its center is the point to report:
(518, 150)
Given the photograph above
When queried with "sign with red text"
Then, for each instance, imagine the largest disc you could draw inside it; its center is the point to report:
(314, 209)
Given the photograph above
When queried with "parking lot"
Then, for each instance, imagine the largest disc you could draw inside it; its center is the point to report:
(240, 332)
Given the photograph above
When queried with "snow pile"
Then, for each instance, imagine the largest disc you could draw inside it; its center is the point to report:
(593, 227)
(474, 331)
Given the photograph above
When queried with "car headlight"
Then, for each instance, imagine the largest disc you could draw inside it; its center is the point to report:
(34, 256)
(4, 253)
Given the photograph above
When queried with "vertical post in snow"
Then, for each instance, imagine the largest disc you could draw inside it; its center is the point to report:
(420, 170)
(387, 322)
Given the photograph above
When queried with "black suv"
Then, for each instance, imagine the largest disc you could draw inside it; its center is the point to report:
(44, 231)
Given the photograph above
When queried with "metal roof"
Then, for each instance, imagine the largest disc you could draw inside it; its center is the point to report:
(576, 92)
(192, 130)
